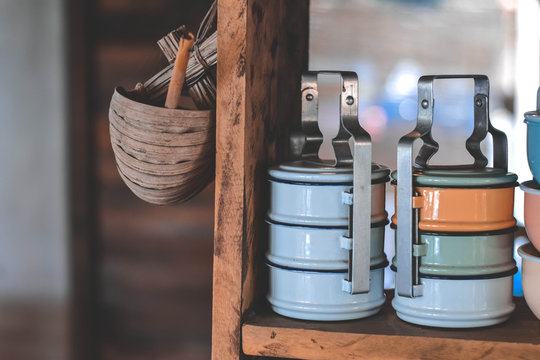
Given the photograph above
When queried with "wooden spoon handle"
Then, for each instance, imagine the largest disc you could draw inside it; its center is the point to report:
(179, 71)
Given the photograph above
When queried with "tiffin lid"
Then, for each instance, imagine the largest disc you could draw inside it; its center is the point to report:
(462, 178)
(302, 171)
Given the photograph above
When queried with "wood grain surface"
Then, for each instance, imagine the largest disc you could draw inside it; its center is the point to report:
(262, 50)
(385, 336)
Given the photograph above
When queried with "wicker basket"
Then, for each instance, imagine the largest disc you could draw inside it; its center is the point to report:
(163, 155)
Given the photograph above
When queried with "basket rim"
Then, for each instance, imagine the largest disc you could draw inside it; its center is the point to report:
(123, 95)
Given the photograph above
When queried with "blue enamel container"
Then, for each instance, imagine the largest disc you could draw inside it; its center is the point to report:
(532, 119)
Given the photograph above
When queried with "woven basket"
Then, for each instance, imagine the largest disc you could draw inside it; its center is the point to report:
(163, 155)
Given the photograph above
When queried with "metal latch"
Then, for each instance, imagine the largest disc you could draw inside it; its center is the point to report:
(409, 249)
(357, 239)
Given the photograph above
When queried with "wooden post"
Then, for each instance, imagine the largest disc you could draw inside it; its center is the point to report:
(262, 51)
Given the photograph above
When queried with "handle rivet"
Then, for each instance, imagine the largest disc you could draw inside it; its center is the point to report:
(349, 100)
(309, 97)
(425, 104)
(479, 103)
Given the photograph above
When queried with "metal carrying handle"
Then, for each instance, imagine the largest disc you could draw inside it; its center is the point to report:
(357, 239)
(408, 239)
(310, 115)
(482, 124)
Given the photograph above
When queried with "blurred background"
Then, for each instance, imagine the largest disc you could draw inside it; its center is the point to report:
(73, 237)
(68, 224)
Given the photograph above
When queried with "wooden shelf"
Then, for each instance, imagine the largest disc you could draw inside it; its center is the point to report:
(385, 336)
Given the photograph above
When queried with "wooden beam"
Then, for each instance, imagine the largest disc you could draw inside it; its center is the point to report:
(262, 50)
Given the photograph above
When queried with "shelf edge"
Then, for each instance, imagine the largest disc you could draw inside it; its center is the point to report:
(315, 344)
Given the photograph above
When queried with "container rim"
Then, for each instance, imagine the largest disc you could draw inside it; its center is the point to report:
(507, 273)
(530, 187)
(268, 263)
(301, 172)
(126, 96)
(506, 231)
(467, 178)
(532, 117)
(374, 225)
(528, 252)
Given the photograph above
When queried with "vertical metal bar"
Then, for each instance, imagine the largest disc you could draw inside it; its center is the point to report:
(405, 281)
(408, 282)
(359, 264)
(415, 241)
(359, 232)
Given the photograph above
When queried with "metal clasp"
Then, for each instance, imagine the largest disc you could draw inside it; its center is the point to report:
(357, 239)
(409, 249)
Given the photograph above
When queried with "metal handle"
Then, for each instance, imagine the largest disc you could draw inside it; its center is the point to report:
(357, 240)
(310, 114)
(408, 283)
(482, 124)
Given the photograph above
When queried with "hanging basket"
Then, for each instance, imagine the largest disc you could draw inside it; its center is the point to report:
(163, 155)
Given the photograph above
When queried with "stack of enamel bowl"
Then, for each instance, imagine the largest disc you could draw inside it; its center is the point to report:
(313, 205)
(308, 264)
(455, 224)
(530, 252)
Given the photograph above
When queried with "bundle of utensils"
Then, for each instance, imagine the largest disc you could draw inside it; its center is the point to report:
(200, 74)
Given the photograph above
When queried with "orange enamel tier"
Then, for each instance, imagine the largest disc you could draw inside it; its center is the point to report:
(464, 210)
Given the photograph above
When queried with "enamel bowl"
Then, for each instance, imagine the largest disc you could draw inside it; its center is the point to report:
(311, 248)
(458, 254)
(530, 276)
(532, 211)
(311, 295)
(303, 193)
(477, 200)
(459, 303)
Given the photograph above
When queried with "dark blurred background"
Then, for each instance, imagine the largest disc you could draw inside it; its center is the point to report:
(154, 263)
(84, 264)
(140, 275)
